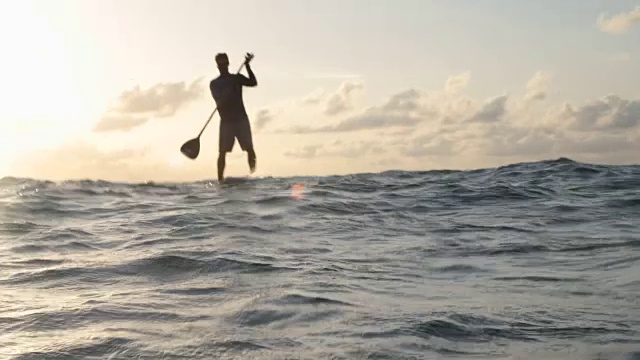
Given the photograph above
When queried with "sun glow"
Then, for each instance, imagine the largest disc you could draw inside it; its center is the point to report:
(175, 160)
(43, 105)
(5, 161)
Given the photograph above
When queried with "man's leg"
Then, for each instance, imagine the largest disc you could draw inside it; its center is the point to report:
(221, 163)
(246, 143)
(251, 159)
(225, 144)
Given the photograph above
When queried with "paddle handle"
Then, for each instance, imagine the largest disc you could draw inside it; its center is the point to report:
(207, 123)
(216, 109)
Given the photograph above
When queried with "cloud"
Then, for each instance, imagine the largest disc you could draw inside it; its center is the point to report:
(314, 98)
(306, 152)
(599, 144)
(537, 87)
(400, 110)
(338, 149)
(620, 23)
(263, 117)
(429, 145)
(493, 110)
(162, 99)
(340, 101)
(417, 126)
(412, 107)
(609, 113)
(411, 129)
(80, 160)
(134, 107)
(334, 103)
(405, 101)
(512, 140)
(369, 120)
(457, 82)
(119, 123)
(355, 149)
(330, 75)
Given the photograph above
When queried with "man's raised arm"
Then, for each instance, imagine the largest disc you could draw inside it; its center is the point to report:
(251, 81)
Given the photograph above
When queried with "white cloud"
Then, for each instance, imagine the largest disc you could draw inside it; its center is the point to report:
(341, 101)
(334, 103)
(371, 119)
(411, 129)
(619, 23)
(429, 145)
(81, 159)
(331, 75)
(422, 125)
(338, 148)
(400, 110)
(599, 144)
(314, 98)
(306, 152)
(506, 141)
(609, 113)
(134, 107)
(405, 101)
(493, 110)
(84, 160)
(537, 87)
(457, 82)
(119, 123)
(263, 117)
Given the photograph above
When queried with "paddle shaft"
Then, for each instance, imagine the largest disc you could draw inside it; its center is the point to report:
(214, 111)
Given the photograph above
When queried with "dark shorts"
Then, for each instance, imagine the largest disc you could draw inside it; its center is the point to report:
(230, 130)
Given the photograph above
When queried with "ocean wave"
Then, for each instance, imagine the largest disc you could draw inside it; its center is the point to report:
(396, 264)
(298, 299)
(115, 346)
(166, 265)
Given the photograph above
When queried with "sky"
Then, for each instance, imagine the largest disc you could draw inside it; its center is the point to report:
(111, 89)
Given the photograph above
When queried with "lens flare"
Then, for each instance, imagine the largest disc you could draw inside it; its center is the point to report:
(297, 191)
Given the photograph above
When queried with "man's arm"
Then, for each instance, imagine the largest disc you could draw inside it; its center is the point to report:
(251, 81)
(248, 81)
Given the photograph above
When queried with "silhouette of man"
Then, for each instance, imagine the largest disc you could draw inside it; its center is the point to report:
(226, 90)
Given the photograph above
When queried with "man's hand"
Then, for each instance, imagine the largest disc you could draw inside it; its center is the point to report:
(247, 58)
(252, 78)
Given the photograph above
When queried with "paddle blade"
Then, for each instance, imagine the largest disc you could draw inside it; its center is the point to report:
(191, 148)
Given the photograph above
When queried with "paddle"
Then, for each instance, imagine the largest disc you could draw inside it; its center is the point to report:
(191, 148)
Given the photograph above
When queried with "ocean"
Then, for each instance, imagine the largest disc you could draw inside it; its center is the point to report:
(535, 260)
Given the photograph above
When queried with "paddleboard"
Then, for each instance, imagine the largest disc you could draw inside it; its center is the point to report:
(238, 180)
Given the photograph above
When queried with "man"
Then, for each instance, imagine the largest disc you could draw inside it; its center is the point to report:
(226, 90)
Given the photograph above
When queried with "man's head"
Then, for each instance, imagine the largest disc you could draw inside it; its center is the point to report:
(223, 62)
